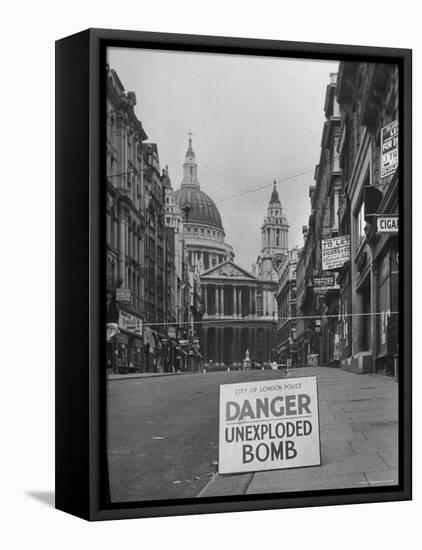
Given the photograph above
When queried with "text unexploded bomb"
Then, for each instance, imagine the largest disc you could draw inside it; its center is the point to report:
(260, 410)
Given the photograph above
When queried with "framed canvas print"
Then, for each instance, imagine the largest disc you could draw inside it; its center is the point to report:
(233, 274)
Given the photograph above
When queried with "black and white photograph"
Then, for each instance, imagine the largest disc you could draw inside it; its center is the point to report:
(252, 275)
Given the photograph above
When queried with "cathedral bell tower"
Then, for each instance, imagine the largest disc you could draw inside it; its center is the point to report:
(190, 168)
(274, 232)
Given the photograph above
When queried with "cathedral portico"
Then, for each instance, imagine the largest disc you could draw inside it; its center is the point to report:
(232, 322)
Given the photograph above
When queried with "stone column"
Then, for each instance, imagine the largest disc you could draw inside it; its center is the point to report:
(233, 346)
(220, 345)
(216, 301)
(206, 300)
(238, 342)
(234, 302)
(252, 343)
(222, 300)
(250, 300)
(223, 358)
(240, 302)
(204, 344)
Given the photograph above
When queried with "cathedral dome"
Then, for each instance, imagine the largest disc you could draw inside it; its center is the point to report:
(203, 209)
(196, 206)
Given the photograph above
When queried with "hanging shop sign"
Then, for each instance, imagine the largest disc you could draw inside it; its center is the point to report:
(389, 148)
(335, 252)
(123, 294)
(269, 425)
(388, 224)
(129, 322)
(323, 284)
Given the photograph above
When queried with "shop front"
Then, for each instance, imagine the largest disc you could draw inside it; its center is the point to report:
(387, 320)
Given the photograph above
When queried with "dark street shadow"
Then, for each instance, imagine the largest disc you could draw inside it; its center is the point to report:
(45, 497)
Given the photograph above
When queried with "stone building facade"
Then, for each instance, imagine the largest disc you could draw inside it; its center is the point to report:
(368, 95)
(125, 225)
(151, 294)
(317, 330)
(287, 310)
(353, 321)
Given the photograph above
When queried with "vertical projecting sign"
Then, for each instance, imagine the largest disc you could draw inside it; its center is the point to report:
(389, 148)
(269, 425)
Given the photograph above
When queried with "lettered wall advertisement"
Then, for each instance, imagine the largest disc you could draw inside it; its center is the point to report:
(335, 252)
(389, 148)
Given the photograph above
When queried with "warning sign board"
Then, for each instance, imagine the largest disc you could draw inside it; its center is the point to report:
(269, 425)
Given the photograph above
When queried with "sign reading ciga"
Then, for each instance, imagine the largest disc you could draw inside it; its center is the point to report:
(335, 252)
(269, 425)
(388, 224)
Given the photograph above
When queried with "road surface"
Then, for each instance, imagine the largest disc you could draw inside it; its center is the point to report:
(163, 433)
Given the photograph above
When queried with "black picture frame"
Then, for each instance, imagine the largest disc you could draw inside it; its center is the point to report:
(80, 310)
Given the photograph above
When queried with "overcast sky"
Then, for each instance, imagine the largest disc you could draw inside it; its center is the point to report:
(253, 120)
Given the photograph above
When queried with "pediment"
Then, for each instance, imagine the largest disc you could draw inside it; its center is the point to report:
(228, 270)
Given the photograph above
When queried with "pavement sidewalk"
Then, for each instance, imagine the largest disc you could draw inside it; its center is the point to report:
(359, 439)
(144, 375)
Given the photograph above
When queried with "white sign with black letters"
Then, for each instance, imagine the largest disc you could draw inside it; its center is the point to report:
(388, 224)
(389, 148)
(123, 294)
(269, 425)
(130, 322)
(335, 252)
